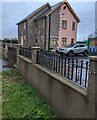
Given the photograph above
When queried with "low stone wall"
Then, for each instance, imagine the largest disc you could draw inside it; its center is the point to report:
(8, 54)
(68, 99)
(12, 57)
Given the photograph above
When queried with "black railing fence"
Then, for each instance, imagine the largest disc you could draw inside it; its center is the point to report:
(26, 52)
(93, 51)
(75, 70)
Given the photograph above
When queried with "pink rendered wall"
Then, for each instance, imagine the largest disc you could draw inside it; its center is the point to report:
(67, 33)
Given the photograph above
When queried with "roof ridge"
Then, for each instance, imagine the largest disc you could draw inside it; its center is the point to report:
(56, 4)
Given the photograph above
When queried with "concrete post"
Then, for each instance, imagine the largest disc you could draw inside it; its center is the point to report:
(18, 52)
(34, 54)
(18, 49)
(92, 88)
(6, 51)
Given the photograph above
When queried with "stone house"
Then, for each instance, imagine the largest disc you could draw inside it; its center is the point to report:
(49, 26)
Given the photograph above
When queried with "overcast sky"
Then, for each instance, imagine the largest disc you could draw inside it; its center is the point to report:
(12, 12)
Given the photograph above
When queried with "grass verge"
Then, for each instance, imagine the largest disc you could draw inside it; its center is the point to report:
(20, 100)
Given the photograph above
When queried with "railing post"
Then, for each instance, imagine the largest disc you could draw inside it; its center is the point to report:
(18, 52)
(18, 49)
(34, 54)
(6, 51)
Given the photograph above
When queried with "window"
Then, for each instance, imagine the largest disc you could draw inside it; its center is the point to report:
(64, 24)
(53, 40)
(36, 24)
(36, 40)
(73, 26)
(64, 7)
(72, 40)
(24, 25)
(64, 41)
(77, 46)
(82, 45)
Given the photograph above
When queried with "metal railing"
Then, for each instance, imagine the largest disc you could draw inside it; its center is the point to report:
(93, 51)
(75, 70)
(26, 52)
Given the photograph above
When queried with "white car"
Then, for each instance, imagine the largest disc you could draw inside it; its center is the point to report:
(74, 49)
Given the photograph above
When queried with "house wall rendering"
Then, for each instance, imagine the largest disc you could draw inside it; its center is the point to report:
(67, 34)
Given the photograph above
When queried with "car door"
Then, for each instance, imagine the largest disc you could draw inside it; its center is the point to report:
(82, 48)
(77, 49)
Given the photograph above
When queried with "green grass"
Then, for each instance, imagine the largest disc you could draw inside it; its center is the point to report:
(20, 100)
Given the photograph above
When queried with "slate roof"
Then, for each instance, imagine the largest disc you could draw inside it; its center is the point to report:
(48, 12)
(33, 13)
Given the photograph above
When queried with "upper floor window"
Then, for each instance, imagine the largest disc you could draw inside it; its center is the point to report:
(36, 41)
(73, 25)
(24, 26)
(64, 41)
(36, 24)
(64, 24)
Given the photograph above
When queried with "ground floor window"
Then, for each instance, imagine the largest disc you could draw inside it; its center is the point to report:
(24, 40)
(54, 40)
(64, 41)
(72, 40)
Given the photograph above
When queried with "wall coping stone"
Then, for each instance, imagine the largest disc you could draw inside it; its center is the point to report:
(36, 48)
(65, 81)
(24, 58)
(18, 45)
(94, 58)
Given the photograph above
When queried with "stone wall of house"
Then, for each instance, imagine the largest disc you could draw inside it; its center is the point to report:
(31, 38)
(40, 33)
(22, 33)
(47, 31)
(28, 35)
(54, 29)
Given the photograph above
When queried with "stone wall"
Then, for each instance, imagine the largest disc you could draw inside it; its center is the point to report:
(54, 29)
(28, 34)
(31, 38)
(9, 54)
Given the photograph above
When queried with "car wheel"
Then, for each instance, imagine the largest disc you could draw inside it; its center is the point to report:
(85, 53)
(70, 53)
